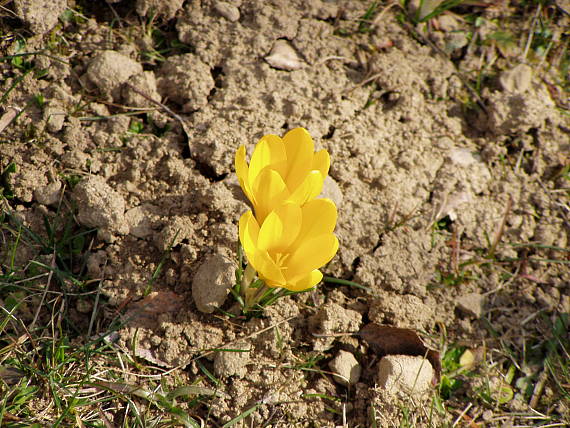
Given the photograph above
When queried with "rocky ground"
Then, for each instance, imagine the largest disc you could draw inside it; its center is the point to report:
(449, 166)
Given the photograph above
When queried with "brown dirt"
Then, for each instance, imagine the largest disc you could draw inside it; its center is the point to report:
(404, 156)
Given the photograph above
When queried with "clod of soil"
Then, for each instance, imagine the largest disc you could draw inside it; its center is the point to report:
(109, 69)
(233, 363)
(185, 80)
(100, 206)
(38, 15)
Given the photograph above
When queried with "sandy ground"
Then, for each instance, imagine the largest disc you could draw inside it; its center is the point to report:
(423, 183)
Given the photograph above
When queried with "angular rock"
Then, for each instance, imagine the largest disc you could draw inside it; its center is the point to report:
(212, 282)
(405, 373)
(284, 57)
(471, 304)
(347, 367)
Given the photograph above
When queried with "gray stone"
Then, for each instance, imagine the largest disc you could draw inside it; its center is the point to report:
(404, 373)
(212, 282)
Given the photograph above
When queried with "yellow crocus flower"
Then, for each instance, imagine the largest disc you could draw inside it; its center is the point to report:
(282, 169)
(291, 244)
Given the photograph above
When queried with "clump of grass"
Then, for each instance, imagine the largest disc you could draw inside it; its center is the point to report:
(59, 367)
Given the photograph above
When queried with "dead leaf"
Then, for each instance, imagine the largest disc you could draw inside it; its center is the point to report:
(388, 340)
(146, 311)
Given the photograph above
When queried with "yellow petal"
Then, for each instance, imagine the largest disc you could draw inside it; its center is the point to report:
(267, 269)
(306, 282)
(242, 171)
(300, 151)
(268, 151)
(280, 228)
(318, 218)
(311, 255)
(248, 233)
(270, 191)
(322, 162)
(310, 188)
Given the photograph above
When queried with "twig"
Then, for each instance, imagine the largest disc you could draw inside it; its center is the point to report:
(48, 282)
(165, 108)
(538, 388)
(442, 53)
(501, 229)
(8, 117)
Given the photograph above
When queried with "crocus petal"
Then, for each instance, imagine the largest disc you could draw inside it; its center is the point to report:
(311, 255)
(242, 171)
(310, 188)
(248, 233)
(306, 282)
(268, 151)
(270, 191)
(267, 269)
(300, 151)
(322, 162)
(319, 218)
(280, 228)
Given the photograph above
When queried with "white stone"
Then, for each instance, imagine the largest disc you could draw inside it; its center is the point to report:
(517, 79)
(332, 191)
(405, 373)
(346, 367)
(212, 282)
(284, 57)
